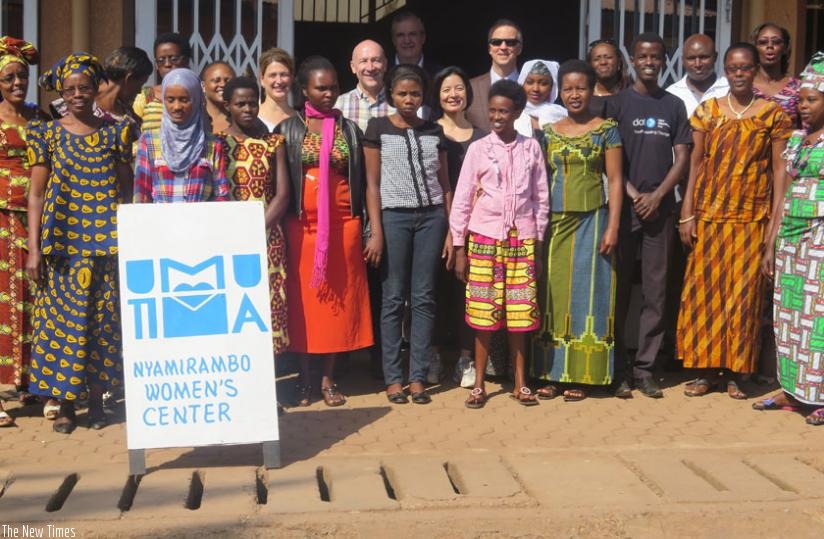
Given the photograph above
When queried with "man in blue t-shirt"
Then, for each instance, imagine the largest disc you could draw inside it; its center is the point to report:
(656, 136)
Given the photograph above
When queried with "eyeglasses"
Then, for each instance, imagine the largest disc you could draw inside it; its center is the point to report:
(743, 69)
(766, 41)
(82, 90)
(8, 79)
(172, 59)
(497, 42)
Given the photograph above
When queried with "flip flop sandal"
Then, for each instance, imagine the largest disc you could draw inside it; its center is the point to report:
(735, 392)
(476, 399)
(816, 418)
(332, 396)
(524, 397)
(6, 420)
(698, 387)
(574, 395)
(547, 392)
(51, 411)
(771, 404)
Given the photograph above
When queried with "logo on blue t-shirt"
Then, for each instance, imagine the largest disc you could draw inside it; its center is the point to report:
(192, 297)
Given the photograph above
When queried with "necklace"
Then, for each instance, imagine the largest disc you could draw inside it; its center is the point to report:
(738, 115)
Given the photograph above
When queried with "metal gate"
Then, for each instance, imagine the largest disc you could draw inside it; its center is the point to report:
(233, 31)
(673, 20)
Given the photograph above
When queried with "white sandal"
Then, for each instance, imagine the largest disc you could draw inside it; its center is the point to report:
(51, 411)
(6, 420)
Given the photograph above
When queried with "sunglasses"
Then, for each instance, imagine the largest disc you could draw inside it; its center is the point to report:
(602, 42)
(766, 42)
(497, 42)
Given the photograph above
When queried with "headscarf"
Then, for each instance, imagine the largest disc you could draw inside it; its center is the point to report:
(182, 144)
(17, 50)
(813, 74)
(541, 67)
(327, 138)
(77, 62)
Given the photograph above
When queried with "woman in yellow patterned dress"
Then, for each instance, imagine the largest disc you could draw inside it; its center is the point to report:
(256, 167)
(80, 170)
(15, 289)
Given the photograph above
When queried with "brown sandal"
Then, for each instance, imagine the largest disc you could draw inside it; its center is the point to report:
(547, 392)
(332, 396)
(574, 395)
(525, 397)
(698, 387)
(476, 399)
(735, 392)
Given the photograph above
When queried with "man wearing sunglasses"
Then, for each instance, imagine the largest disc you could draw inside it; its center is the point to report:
(505, 44)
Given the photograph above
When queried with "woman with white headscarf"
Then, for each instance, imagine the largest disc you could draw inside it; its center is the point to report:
(181, 161)
(540, 81)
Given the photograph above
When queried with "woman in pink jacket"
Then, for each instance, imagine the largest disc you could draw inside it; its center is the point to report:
(500, 212)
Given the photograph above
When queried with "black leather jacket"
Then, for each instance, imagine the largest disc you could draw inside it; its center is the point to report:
(294, 130)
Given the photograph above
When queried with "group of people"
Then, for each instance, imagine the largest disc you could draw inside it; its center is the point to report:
(515, 205)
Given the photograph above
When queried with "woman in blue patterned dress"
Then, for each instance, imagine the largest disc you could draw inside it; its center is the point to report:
(80, 171)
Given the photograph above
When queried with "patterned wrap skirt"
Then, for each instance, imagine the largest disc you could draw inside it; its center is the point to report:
(76, 323)
(576, 342)
(798, 300)
(501, 290)
(16, 293)
(276, 257)
(719, 325)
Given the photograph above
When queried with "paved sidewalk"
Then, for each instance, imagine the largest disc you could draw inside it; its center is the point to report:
(601, 467)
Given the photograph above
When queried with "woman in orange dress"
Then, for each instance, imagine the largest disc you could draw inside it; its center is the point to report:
(325, 268)
(16, 291)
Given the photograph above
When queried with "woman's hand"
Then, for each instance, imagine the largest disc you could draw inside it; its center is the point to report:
(448, 252)
(609, 241)
(687, 233)
(373, 251)
(768, 259)
(33, 263)
(460, 264)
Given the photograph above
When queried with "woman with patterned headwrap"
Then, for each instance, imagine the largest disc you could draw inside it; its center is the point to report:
(80, 171)
(15, 299)
(796, 267)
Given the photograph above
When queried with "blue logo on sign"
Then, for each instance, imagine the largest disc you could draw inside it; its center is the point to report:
(192, 298)
(650, 123)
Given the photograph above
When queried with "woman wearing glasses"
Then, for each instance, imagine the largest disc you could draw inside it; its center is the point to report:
(80, 170)
(170, 52)
(733, 196)
(772, 80)
(16, 300)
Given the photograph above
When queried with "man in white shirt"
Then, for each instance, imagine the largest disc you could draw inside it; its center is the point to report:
(701, 82)
(505, 43)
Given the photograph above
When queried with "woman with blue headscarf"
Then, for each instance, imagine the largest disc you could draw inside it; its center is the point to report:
(80, 171)
(181, 161)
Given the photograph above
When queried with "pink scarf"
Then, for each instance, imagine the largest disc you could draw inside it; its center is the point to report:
(327, 138)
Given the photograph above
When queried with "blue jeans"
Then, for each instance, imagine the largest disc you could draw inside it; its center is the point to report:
(413, 241)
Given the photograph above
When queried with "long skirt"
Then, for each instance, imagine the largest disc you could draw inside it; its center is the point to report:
(16, 293)
(276, 257)
(719, 325)
(798, 300)
(576, 340)
(77, 341)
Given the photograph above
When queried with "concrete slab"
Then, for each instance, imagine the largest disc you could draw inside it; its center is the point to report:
(790, 472)
(357, 485)
(482, 476)
(96, 495)
(294, 489)
(562, 480)
(229, 490)
(419, 479)
(27, 494)
(161, 493)
(672, 480)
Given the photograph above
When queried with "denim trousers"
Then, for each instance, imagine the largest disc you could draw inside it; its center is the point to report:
(413, 242)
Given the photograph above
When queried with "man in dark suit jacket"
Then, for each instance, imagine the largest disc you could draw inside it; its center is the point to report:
(408, 38)
(505, 43)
